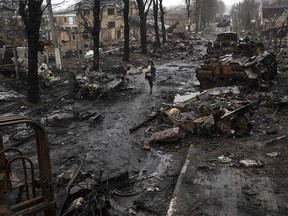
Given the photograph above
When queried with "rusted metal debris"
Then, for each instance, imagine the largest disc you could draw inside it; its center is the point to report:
(68, 187)
(230, 61)
(229, 43)
(36, 200)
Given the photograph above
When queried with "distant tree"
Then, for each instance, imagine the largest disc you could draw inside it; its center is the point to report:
(31, 12)
(156, 24)
(9, 25)
(188, 6)
(162, 18)
(143, 9)
(197, 14)
(221, 7)
(204, 12)
(243, 12)
(209, 11)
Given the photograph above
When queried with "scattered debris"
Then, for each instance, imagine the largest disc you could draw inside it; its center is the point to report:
(275, 140)
(146, 146)
(173, 112)
(224, 159)
(98, 193)
(153, 116)
(66, 175)
(45, 73)
(168, 135)
(95, 84)
(274, 154)
(212, 120)
(152, 189)
(251, 163)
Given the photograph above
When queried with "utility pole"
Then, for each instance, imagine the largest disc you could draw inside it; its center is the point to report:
(54, 37)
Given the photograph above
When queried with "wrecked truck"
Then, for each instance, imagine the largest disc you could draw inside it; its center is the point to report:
(229, 71)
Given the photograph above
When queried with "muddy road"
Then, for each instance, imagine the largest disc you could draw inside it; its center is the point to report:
(92, 136)
(104, 144)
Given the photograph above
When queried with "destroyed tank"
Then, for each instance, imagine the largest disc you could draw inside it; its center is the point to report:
(228, 43)
(228, 71)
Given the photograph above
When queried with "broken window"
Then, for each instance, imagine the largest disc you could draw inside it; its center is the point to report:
(86, 12)
(85, 35)
(111, 24)
(111, 11)
(65, 19)
(71, 20)
(73, 36)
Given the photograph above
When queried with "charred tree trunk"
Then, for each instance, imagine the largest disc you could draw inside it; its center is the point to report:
(156, 26)
(162, 18)
(126, 30)
(31, 13)
(33, 84)
(96, 34)
(197, 16)
(143, 26)
(188, 11)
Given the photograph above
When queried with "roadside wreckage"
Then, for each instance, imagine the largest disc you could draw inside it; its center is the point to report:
(208, 113)
(227, 59)
(211, 120)
(26, 186)
(228, 43)
(94, 84)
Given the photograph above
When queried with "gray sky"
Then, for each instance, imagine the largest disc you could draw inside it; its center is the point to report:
(177, 2)
(165, 2)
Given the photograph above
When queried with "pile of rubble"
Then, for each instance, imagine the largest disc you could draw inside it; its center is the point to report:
(94, 84)
(210, 113)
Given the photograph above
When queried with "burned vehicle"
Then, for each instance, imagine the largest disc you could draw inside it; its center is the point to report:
(228, 43)
(222, 44)
(254, 72)
(224, 23)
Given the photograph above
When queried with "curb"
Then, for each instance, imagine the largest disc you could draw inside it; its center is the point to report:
(174, 200)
